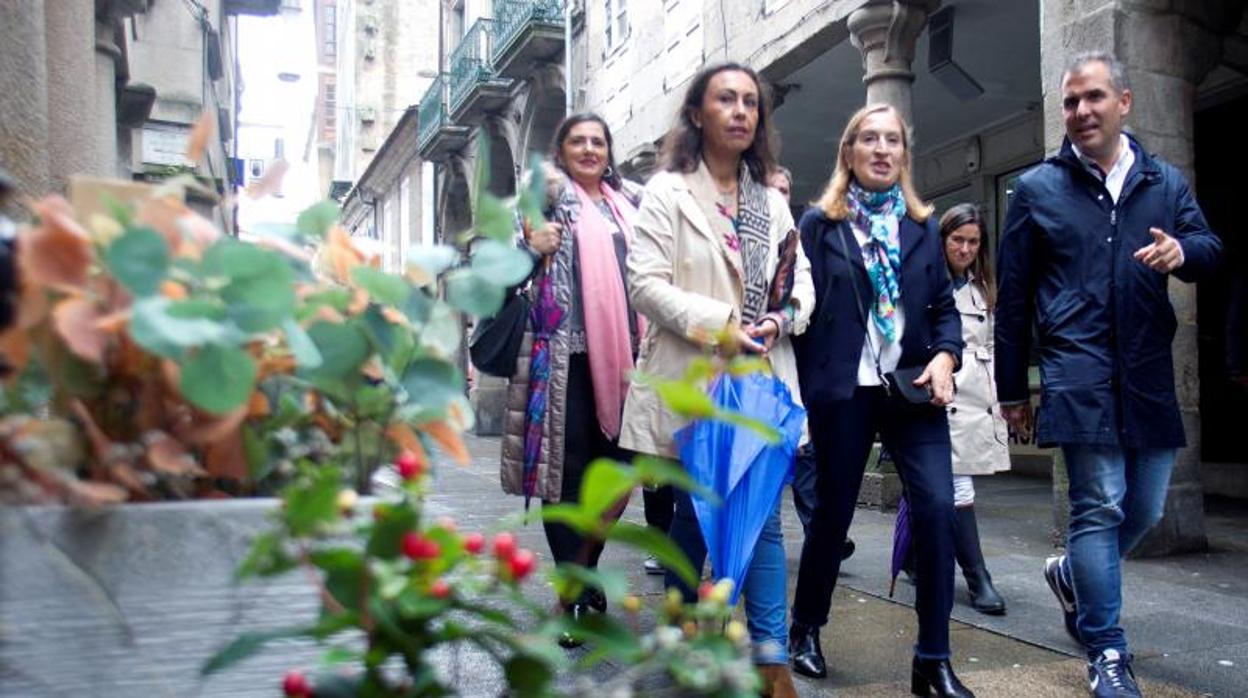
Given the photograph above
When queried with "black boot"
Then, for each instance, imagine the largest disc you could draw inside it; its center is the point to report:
(575, 612)
(935, 675)
(984, 597)
(805, 651)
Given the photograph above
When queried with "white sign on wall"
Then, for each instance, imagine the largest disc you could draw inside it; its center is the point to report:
(165, 144)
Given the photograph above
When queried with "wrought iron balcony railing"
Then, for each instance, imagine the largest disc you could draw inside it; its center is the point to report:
(432, 112)
(512, 16)
(470, 61)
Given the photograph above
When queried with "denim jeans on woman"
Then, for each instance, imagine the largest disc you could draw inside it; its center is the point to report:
(765, 588)
(1116, 496)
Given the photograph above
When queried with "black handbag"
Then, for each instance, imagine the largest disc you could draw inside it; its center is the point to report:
(899, 383)
(495, 343)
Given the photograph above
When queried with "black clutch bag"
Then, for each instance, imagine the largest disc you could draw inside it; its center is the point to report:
(901, 387)
(495, 343)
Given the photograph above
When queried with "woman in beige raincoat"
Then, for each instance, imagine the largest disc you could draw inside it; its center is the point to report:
(705, 250)
(976, 428)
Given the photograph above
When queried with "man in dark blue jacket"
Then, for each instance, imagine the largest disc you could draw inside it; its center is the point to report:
(1090, 241)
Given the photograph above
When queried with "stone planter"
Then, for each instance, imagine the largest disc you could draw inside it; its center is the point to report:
(131, 600)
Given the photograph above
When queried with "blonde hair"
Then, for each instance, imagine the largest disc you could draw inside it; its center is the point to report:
(834, 201)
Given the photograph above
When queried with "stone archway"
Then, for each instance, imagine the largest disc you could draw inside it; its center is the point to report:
(455, 202)
(543, 110)
(502, 171)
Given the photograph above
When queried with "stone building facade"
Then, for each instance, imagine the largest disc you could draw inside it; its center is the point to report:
(112, 88)
(385, 57)
(980, 84)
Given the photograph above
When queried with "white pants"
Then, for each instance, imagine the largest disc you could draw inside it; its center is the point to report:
(963, 491)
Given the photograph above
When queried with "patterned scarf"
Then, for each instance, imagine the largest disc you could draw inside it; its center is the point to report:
(879, 214)
(753, 225)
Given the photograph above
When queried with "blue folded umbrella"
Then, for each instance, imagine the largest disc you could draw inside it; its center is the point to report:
(740, 467)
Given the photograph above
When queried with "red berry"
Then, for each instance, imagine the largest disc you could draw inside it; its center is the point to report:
(296, 685)
(417, 547)
(705, 589)
(504, 546)
(474, 543)
(440, 589)
(409, 466)
(521, 564)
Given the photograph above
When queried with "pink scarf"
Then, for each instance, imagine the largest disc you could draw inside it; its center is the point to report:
(605, 304)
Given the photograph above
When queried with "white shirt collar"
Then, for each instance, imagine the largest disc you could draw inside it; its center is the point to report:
(1117, 175)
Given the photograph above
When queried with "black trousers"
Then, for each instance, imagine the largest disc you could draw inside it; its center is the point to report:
(583, 443)
(660, 504)
(842, 432)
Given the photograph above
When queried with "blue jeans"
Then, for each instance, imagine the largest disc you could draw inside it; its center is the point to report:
(765, 588)
(1116, 496)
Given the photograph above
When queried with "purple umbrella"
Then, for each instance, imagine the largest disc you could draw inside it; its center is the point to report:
(545, 317)
(901, 541)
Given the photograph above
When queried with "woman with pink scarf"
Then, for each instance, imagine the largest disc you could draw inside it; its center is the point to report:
(565, 401)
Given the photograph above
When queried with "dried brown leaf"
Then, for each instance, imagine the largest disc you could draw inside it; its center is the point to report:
(166, 455)
(342, 253)
(329, 314)
(449, 439)
(162, 214)
(258, 405)
(401, 435)
(112, 322)
(270, 182)
(209, 429)
(203, 130)
(225, 457)
(77, 322)
(91, 494)
(359, 302)
(15, 351)
(57, 253)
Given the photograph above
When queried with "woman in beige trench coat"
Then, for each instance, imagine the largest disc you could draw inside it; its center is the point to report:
(705, 250)
(977, 430)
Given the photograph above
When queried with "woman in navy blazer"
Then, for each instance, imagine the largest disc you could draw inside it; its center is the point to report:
(871, 230)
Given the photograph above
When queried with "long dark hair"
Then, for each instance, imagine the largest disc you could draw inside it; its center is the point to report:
(682, 147)
(612, 175)
(981, 268)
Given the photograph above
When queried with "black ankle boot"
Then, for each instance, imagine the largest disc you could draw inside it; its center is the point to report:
(805, 651)
(575, 612)
(984, 596)
(935, 675)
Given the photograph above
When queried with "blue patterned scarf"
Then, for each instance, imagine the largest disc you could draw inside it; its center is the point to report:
(879, 213)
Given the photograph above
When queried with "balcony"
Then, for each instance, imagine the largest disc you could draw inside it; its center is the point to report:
(436, 136)
(527, 33)
(475, 89)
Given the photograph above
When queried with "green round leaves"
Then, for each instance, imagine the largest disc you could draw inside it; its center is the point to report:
(218, 378)
(139, 260)
(259, 291)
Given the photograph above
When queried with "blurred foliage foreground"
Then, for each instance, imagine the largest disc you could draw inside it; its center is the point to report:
(152, 357)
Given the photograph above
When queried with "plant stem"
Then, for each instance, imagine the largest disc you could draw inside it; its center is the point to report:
(363, 483)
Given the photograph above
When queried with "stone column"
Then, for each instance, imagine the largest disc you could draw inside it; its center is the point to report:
(1166, 55)
(107, 55)
(73, 130)
(885, 31)
(24, 84)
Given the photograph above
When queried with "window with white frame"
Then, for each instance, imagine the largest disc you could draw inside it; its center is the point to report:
(617, 23)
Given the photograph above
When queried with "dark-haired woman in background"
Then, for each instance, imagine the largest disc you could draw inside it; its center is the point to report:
(589, 352)
(707, 247)
(977, 430)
